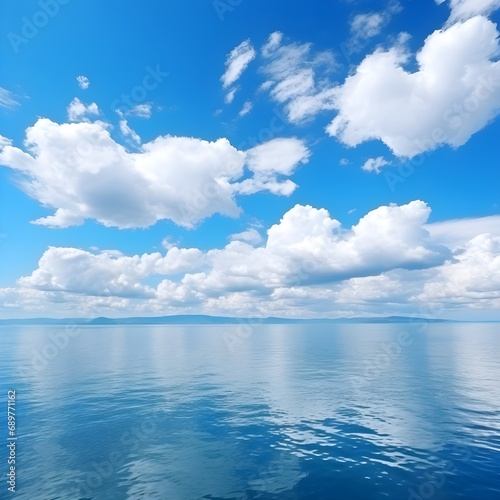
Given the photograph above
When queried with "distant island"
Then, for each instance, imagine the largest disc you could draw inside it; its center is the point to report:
(188, 319)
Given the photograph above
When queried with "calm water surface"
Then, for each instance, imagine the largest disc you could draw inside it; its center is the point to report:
(288, 412)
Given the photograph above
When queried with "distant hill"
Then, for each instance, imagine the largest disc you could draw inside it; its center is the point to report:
(188, 319)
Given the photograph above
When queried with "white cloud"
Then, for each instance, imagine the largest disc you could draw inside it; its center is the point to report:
(297, 77)
(250, 236)
(229, 98)
(471, 277)
(128, 132)
(83, 82)
(305, 247)
(374, 164)
(77, 271)
(79, 170)
(454, 233)
(141, 110)
(465, 9)
(4, 141)
(268, 161)
(388, 263)
(236, 63)
(7, 99)
(78, 111)
(277, 156)
(168, 243)
(247, 107)
(367, 25)
(454, 93)
(308, 247)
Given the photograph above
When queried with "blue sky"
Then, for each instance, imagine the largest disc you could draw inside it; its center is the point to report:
(241, 158)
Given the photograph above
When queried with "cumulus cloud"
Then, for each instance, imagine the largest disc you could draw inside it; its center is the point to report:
(78, 111)
(83, 82)
(309, 265)
(374, 164)
(277, 156)
(7, 99)
(453, 94)
(306, 247)
(81, 171)
(77, 271)
(471, 277)
(268, 161)
(298, 77)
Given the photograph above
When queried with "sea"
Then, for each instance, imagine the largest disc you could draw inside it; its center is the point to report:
(251, 411)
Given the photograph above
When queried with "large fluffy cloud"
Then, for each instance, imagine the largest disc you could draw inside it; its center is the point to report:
(453, 94)
(77, 271)
(471, 278)
(82, 172)
(306, 247)
(390, 262)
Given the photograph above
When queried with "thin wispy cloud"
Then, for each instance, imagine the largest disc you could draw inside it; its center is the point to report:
(297, 77)
(236, 63)
(7, 99)
(247, 107)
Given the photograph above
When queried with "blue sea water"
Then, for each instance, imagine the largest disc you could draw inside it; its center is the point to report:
(343, 411)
